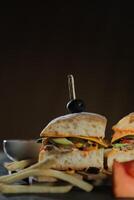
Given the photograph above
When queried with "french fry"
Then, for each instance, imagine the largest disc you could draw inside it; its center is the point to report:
(11, 189)
(47, 172)
(27, 172)
(18, 176)
(46, 179)
(70, 171)
(78, 176)
(46, 164)
(18, 165)
(69, 178)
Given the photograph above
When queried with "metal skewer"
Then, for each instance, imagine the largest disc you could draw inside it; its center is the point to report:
(71, 87)
(74, 105)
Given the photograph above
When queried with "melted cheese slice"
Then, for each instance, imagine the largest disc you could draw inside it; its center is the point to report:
(93, 139)
(120, 134)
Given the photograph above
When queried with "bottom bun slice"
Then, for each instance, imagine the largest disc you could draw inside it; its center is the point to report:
(76, 159)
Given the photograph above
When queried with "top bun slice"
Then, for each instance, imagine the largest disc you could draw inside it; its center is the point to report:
(82, 124)
(125, 124)
(124, 127)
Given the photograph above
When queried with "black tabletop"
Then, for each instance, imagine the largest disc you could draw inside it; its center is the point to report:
(100, 192)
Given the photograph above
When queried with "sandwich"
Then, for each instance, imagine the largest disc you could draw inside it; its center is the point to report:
(122, 142)
(76, 141)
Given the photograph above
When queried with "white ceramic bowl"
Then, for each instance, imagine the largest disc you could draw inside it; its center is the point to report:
(21, 149)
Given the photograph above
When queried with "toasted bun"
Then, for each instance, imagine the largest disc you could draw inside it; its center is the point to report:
(76, 159)
(118, 155)
(78, 124)
(126, 123)
(124, 127)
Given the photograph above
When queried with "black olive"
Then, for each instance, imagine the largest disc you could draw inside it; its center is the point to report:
(76, 106)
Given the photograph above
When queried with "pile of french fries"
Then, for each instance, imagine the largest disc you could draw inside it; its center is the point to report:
(28, 168)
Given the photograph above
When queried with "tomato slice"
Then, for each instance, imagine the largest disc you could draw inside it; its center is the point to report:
(123, 179)
(127, 141)
(129, 167)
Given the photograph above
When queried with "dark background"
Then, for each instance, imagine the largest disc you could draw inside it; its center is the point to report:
(40, 44)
